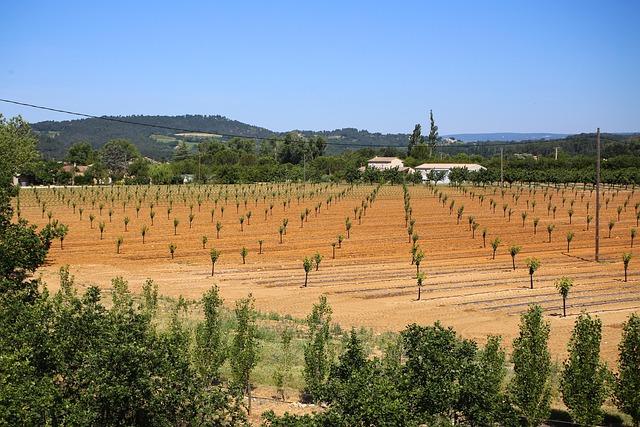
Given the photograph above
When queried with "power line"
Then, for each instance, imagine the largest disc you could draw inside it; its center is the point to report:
(464, 145)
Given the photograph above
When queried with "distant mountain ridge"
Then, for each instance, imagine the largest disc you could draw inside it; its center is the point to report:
(506, 136)
(159, 142)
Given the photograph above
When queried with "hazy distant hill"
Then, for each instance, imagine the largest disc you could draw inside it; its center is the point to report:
(505, 136)
(157, 142)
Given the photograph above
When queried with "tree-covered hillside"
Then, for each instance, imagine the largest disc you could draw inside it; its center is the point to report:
(155, 142)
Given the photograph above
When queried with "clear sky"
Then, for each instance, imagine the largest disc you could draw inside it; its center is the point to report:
(482, 66)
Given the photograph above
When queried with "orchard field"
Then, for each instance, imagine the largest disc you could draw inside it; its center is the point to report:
(371, 282)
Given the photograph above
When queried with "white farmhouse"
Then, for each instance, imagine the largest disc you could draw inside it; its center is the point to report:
(425, 168)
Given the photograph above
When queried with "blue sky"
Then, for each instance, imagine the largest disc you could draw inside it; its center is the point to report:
(548, 66)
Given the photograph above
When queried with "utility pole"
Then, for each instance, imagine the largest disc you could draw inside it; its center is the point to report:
(557, 153)
(597, 255)
(501, 167)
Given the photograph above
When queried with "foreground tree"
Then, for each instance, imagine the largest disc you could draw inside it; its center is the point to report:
(317, 356)
(627, 385)
(530, 387)
(211, 350)
(583, 382)
(245, 347)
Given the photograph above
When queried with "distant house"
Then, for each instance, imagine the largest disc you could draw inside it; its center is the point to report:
(22, 181)
(385, 163)
(425, 168)
(187, 178)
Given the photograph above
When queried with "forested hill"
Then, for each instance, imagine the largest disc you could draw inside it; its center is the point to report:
(159, 142)
(56, 137)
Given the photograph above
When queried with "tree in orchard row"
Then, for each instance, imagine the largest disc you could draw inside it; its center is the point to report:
(417, 259)
(204, 240)
(143, 231)
(243, 253)
(119, 241)
(419, 281)
(176, 222)
(307, 265)
(126, 223)
(172, 249)
(626, 259)
(513, 251)
(214, 254)
(611, 224)
(533, 264)
(550, 229)
(218, 228)
(570, 235)
(260, 242)
(494, 247)
(563, 285)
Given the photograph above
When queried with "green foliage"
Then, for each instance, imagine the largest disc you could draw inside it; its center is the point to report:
(627, 386)
(211, 348)
(282, 374)
(530, 388)
(434, 358)
(317, 354)
(80, 153)
(584, 378)
(75, 362)
(17, 148)
(244, 351)
(116, 154)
